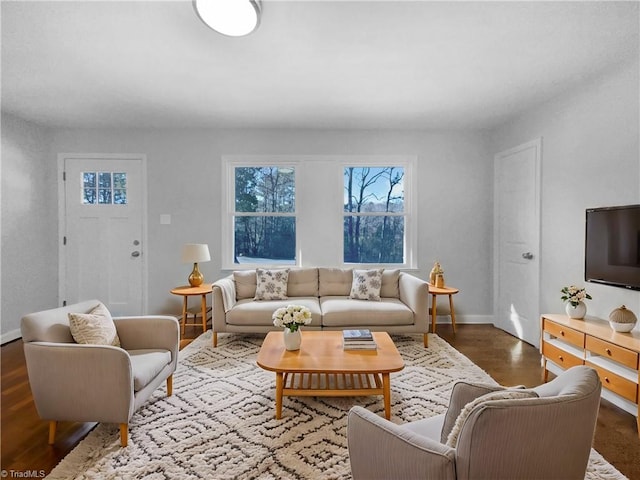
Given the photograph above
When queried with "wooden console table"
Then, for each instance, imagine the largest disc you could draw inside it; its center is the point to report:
(567, 342)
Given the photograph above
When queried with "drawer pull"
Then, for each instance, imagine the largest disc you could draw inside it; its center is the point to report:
(606, 379)
(560, 358)
(608, 351)
(562, 333)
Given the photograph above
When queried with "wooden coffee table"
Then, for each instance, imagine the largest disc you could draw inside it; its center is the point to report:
(322, 368)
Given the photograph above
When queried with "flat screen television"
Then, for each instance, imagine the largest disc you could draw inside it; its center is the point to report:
(612, 246)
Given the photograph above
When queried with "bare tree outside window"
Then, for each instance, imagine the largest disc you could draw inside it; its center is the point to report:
(374, 220)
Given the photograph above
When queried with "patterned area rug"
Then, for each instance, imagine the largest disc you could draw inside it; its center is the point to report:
(219, 423)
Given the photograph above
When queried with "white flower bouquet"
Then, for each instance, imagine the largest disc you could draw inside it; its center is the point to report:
(574, 295)
(291, 317)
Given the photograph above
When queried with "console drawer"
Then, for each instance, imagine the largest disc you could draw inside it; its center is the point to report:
(560, 357)
(613, 352)
(623, 387)
(567, 334)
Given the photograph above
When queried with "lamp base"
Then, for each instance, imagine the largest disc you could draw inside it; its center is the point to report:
(196, 278)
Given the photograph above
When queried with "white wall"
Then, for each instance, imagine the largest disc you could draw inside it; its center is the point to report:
(29, 254)
(590, 158)
(184, 169)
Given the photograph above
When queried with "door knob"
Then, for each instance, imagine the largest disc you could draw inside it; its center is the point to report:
(527, 255)
(135, 254)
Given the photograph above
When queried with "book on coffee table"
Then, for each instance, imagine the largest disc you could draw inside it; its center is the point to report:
(358, 340)
(360, 345)
(357, 335)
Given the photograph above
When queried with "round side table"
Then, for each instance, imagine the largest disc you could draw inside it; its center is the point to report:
(434, 292)
(188, 291)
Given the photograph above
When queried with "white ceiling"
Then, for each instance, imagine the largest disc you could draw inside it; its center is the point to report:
(311, 64)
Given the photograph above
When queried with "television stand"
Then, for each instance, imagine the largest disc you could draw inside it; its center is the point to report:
(567, 342)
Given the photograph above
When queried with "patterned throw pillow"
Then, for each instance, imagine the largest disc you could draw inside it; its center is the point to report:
(271, 284)
(366, 284)
(95, 327)
(452, 439)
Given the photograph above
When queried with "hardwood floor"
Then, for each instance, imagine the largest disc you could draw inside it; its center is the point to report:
(508, 360)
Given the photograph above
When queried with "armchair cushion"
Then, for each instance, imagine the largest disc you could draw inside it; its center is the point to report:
(452, 438)
(146, 365)
(94, 328)
(461, 394)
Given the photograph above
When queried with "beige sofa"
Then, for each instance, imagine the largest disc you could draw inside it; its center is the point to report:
(403, 307)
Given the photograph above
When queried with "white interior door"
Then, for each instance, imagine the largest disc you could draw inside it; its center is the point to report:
(103, 245)
(517, 241)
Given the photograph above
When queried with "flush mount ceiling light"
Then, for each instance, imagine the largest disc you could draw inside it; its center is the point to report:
(234, 18)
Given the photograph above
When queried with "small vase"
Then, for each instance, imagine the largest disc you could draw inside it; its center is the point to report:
(578, 312)
(292, 340)
(622, 319)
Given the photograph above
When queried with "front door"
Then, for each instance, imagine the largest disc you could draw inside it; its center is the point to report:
(102, 253)
(517, 241)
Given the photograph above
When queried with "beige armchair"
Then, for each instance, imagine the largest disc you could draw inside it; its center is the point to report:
(546, 435)
(97, 383)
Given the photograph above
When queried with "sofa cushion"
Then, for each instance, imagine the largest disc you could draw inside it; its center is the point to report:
(251, 313)
(245, 283)
(146, 364)
(345, 311)
(335, 281)
(271, 284)
(366, 284)
(303, 282)
(95, 327)
(390, 284)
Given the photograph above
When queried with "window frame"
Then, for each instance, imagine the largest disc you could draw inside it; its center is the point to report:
(303, 165)
(229, 208)
(409, 213)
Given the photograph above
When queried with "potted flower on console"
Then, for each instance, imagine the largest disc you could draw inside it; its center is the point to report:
(291, 318)
(574, 297)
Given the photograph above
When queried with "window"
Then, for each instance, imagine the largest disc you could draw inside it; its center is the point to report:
(264, 216)
(312, 210)
(104, 188)
(374, 215)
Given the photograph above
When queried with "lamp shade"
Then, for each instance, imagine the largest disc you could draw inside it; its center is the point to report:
(195, 253)
(234, 18)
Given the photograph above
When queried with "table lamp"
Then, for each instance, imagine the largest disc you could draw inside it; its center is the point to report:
(194, 253)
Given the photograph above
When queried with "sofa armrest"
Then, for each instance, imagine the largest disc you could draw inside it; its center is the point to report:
(414, 292)
(380, 449)
(223, 297)
(85, 383)
(149, 331)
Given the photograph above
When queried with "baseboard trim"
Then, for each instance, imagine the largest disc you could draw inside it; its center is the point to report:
(441, 319)
(470, 319)
(10, 336)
